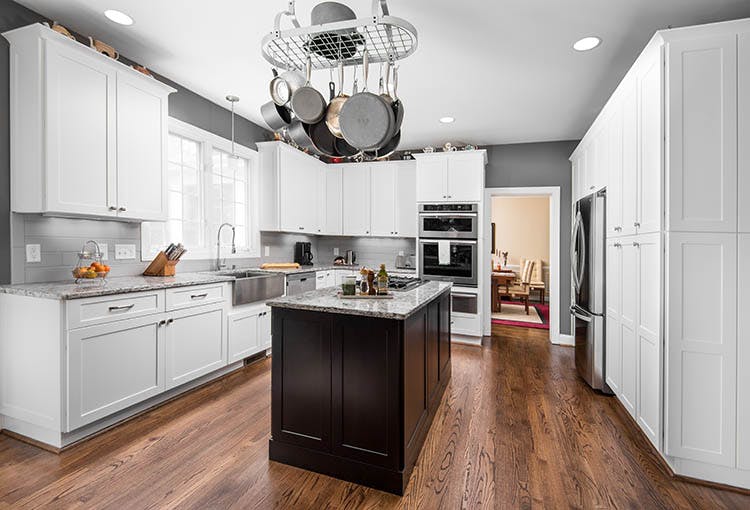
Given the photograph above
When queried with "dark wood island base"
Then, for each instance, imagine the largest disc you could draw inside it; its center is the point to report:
(354, 396)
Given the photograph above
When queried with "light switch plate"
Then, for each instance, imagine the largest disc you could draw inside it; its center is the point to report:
(104, 249)
(125, 251)
(33, 253)
(335, 251)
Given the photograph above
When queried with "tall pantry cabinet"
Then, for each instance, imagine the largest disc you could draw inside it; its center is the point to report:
(677, 351)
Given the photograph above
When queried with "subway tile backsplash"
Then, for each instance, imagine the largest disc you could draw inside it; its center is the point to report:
(61, 239)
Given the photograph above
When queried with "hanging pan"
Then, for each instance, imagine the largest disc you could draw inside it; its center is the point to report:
(307, 103)
(366, 119)
(335, 105)
(275, 116)
(321, 137)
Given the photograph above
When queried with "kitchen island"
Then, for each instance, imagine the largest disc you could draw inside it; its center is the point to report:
(356, 383)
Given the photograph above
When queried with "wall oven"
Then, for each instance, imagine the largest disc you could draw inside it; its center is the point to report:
(461, 268)
(448, 221)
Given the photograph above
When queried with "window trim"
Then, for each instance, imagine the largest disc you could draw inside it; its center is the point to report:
(209, 141)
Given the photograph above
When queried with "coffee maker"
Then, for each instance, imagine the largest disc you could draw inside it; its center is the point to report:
(303, 253)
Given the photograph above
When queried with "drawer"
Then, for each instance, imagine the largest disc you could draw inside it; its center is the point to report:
(466, 324)
(199, 295)
(101, 310)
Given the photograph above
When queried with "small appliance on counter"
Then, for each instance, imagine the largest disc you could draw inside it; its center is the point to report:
(404, 261)
(351, 257)
(303, 253)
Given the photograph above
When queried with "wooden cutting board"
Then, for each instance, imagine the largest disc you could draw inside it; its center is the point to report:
(280, 265)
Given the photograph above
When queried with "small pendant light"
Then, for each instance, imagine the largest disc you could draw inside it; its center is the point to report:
(233, 99)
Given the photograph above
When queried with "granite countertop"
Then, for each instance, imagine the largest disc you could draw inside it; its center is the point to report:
(404, 304)
(114, 285)
(328, 267)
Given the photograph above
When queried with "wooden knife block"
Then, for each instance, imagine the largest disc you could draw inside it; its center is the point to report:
(161, 266)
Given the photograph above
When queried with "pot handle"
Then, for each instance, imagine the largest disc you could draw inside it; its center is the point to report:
(365, 68)
(332, 90)
(341, 78)
(388, 77)
(395, 83)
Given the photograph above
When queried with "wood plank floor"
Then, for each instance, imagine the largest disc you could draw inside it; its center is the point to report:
(517, 429)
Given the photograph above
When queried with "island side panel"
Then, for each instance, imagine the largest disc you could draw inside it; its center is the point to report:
(366, 361)
(301, 378)
(444, 350)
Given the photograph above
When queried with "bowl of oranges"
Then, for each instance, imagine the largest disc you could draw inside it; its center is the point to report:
(91, 272)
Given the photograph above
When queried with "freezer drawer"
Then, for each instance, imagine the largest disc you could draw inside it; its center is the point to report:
(589, 348)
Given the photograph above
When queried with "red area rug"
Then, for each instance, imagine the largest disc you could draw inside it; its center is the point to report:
(541, 321)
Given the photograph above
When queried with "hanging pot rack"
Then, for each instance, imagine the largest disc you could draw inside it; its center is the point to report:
(385, 37)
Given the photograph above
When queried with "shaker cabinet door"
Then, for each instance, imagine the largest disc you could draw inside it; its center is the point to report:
(743, 354)
(629, 158)
(465, 177)
(613, 350)
(356, 201)
(628, 325)
(743, 126)
(195, 344)
(702, 137)
(80, 145)
(406, 199)
(383, 207)
(432, 176)
(614, 173)
(649, 206)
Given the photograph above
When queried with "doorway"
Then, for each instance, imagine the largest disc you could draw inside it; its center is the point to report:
(550, 269)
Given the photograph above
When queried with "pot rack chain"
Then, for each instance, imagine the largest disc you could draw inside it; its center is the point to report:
(386, 38)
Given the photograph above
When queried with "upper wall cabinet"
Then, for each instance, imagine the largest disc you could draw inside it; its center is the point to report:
(89, 134)
(451, 176)
(702, 137)
(743, 135)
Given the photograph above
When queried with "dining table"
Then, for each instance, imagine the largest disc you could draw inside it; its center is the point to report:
(500, 278)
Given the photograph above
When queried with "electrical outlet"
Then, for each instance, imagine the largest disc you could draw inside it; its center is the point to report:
(267, 251)
(124, 251)
(104, 249)
(400, 253)
(33, 253)
(335, 251)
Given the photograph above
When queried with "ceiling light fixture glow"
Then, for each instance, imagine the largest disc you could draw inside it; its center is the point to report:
(447, 120)
(118, 17)
(587, 43)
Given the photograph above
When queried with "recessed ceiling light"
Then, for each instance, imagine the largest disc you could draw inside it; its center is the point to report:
(587, 43)
(118, 17)
(447, 120)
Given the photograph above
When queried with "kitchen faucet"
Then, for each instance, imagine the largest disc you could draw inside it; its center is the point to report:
(219, 265)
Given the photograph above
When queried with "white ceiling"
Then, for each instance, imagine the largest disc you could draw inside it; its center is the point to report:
(504, 69)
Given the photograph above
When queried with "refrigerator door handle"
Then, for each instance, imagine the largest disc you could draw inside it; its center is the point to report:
(583, 247)
(584, 318)
(574, 253)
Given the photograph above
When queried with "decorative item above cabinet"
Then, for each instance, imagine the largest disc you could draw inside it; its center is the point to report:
(88, 133)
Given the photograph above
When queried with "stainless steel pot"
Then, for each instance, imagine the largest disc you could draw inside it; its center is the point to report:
(277, 117)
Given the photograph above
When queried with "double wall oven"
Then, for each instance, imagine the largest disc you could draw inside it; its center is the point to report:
(448, 247)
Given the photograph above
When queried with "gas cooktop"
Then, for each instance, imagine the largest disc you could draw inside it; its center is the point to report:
(404, 283)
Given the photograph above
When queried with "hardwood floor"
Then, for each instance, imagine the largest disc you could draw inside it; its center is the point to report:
(517, 429)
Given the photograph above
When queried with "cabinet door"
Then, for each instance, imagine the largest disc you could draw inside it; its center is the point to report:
(195, 344)
(629, 158)
(650, 155)
(743, 355)
(465, 177)
(406, 199)
(702, 137)
(264, 329)
(628, 324)
(298, 198)
(614, 173)
(383, 206)
(702, 347)
(356, 179)
(649, 408)
(333, 201)
(322, 200)
(743, 126)
(432, 178)
(613, 350)
(141, 149)
(113, 366)
(576, 177)
(321, 281)
(80, 133)
(243, 334)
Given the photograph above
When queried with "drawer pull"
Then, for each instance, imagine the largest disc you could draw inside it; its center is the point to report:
(170, 321)
(199, 296)
(120, 308)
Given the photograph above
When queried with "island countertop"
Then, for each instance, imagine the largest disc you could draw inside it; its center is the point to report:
(403, 304)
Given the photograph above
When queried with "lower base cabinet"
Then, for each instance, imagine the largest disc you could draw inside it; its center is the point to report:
(194, 344)
(113, 366)
(249, 332)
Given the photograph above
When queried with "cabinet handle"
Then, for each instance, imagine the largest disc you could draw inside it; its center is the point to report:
(637, 225)
(162, 322)
(618, 229)
(302, 228)
(637, 245)
(592, 187)
(123, 307)
(170, 321)
(122, 209)
(199, 296)
(618, 245)
(112, 208)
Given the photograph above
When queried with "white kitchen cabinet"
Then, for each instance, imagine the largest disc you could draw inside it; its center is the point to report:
(88, 133)
(702, 347)
(406, 199)
(702, 138)
(249, 332)
(333, 204)
(357, 196)
(649, 205)
(194, 343)
(456, 176)
(614, 173)
(325, 279)
(743, 353)
(743, 133)
(113, 366)
(298, 181)
(383, 200)
(629, 157)
(628, 327)
(648, 279)
(613, 349)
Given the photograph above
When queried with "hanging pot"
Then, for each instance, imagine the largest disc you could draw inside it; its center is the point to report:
(344, 149)
(335, 105)
(298, 134)
(275, 116)
(321, 137)
(307, 103)
(387, 149)
(283, 86)
(366, 119)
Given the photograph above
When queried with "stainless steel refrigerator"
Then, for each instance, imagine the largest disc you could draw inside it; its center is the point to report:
(588, 248)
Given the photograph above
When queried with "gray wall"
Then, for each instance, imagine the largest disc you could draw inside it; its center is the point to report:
(61, 238)
(539, 164)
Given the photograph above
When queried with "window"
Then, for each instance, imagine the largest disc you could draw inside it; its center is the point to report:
(206, 186)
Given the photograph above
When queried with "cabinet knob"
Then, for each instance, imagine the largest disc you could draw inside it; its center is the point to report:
(170, 321)
(637, 245)
(122, 209)
(618, 229)
(367, 231)
(162, 322)
(112, 208)
(637, 224)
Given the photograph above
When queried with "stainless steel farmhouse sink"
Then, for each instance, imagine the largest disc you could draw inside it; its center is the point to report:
(252, 286)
